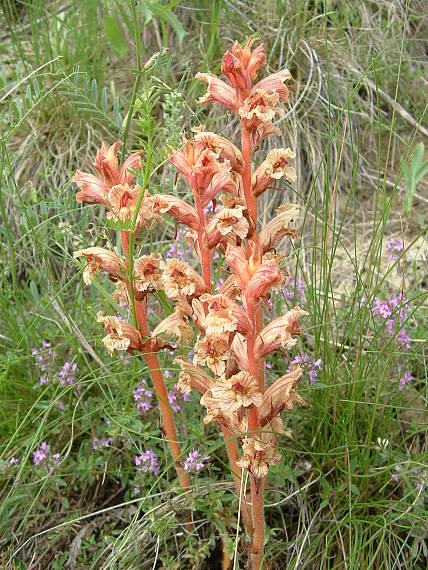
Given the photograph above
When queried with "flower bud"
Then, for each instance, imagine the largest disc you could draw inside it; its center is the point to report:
(241, 65)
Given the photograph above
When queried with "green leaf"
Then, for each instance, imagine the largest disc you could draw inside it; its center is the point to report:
(94, 91)
(34, 291)
(65, 503)
(417, 157)
(85, 83)
(421, 171)
(36, 88)
(104, 99)
(115, 36)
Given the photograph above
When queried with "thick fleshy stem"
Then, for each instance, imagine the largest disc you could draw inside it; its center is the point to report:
(256, 366)
(152, 362)
(231, 443)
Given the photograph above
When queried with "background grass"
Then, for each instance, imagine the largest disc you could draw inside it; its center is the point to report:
(350, 490)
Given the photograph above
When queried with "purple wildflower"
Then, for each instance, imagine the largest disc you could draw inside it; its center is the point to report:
(312, 367)
(41, 455)
(176, 398)
(143, 397)
(43, 458)
(43, 357)
(194, 461)
(395, 312)
(103, 442)
(394, 248)
(293, 286)
(405, 379)
(13, 461)
(66, 374)
(123, 356)
(147, 462)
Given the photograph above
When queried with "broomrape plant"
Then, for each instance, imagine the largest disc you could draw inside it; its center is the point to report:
(233, 339)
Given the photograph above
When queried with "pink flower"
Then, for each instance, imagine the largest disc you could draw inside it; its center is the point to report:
(218, 92)
(100, 259)
(241, 65)
(95, 189)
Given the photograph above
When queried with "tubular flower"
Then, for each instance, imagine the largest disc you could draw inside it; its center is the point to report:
(222, 148)
(230, 288)
(262, 131)
(240, 390)
(260, 107)
(278, 333)
(94, 189)
(177, 208)
(275, 83)
(225, 180)
(121, 335)
(258, 455)
(216, 414)
(180, 280)
(147, 273)
(218, 92)
(267, 275)
(279, 227)
(213, 352)
(106, 164)
(192, 376)
(174, 327)
(99, 259)
(237, 259)
(273, 168)
(241, 65)
(220, 318)
(223, 316)
(282, 394)
(123, 201)
(239, 350)
(203, 169)
(120, 293)
(228, 223)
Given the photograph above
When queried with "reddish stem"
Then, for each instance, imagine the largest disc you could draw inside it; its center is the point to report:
(246, 175)
(256, 366)
(152, 362)
(259, 523)
(231, 443)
